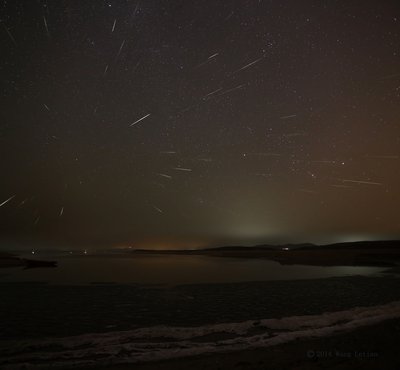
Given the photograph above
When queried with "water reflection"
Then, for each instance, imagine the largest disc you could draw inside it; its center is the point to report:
(173, 269)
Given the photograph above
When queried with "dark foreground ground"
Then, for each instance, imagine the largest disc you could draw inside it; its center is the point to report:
(32, 310)
(372, 347)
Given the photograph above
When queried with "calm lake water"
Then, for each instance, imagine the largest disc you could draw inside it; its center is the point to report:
(170, 269)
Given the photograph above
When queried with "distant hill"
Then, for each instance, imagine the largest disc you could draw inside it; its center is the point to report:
(377, 244)
(259, 247)
(374, 244)
(363, 253)
(239, 248)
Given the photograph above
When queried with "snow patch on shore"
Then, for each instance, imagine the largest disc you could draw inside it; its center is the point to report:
(164, 342)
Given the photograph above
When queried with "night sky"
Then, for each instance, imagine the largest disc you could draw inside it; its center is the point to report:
(192, 123)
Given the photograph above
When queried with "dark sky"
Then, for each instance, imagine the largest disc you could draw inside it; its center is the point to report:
(185, 123)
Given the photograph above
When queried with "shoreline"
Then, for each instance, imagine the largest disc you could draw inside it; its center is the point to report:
(358, 254)
(369, 347)
(373, 257)
(152, 346)
(85, 317)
